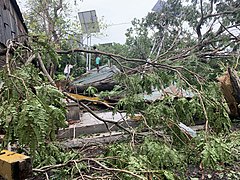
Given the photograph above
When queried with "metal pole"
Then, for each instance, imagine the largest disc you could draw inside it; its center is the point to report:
(90, 42)
(87, 56)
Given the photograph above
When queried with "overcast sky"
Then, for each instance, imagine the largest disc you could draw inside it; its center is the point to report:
(118, 13)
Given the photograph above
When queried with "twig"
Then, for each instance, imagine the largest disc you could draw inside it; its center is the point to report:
(95, 115)
(235, 67)
(30, 59)
(50, 167)
(10, 44)
(44, 70)
(78, 170)
(172, 45)
(98, 177)
(46, 175)
(24, 84)
(118, 170)
(201, 100)
(153, 130)
(237, 38)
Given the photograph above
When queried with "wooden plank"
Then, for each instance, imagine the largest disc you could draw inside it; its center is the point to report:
(13, 27)
(16, 24)
(7, 32)
(2, 38)
(1, 4)
(7, 24)
(7, 21)
(11, 9)
(13, 22)
(95, 140)
(20, 27)
(6, 4)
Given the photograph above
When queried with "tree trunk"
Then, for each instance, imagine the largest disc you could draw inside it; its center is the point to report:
(230, 85)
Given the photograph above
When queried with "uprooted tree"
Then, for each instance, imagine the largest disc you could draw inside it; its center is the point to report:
(190, 46)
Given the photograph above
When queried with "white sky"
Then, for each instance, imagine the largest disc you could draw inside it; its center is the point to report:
(117, 12)
(113, 12)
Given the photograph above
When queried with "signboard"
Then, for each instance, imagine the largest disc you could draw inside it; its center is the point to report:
(89, 22)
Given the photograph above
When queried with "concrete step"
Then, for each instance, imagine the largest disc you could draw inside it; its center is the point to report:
(110, 137)
(88, 124)
(95, 139)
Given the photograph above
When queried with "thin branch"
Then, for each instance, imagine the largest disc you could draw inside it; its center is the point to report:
(47, 178)
(200, 22)
(10, 44)
(95, 115)
(102, 53)
(44, 70)
(79, 171)
(221, 13)
(224, 27)
(71, 162)
(157, 65)
(172, 45)
(118, 170)
(30, 59)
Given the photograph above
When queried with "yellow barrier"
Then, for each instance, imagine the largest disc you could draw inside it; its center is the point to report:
(81, 97)
(14, 166)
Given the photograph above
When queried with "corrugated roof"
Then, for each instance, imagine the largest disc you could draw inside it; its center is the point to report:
(105, 72)
(169, 91)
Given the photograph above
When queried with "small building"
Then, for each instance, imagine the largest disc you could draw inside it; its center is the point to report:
(11, 22)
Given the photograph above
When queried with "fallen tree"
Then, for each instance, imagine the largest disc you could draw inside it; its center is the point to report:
(230, 85)
(35, 101)
(32, 108)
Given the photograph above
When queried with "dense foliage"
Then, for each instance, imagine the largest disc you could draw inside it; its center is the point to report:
(185, 45)
(31, 110)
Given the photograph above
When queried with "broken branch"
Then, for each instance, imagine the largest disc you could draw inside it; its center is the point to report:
(95, 115)
(45, 71)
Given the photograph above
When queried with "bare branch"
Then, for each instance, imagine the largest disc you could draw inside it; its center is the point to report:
(44, 70)
(96, 161)
(237, 38)
(199, 25)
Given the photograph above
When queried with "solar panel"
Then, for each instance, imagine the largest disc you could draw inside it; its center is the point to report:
(158, 6)
(89, 22)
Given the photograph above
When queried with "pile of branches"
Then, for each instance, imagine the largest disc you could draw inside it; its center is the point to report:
(32, 108)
